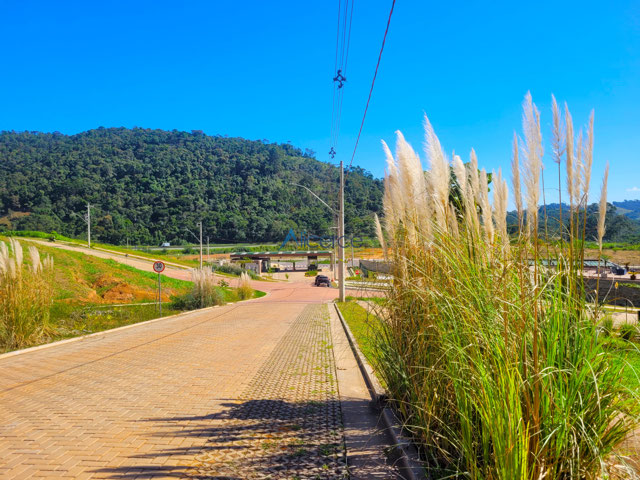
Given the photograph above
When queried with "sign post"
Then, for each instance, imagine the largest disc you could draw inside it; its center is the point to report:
(158, 267)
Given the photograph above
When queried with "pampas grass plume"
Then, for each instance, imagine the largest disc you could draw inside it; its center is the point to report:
(602, 210)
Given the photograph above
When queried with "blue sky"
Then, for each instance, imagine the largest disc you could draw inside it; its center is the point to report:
(263, 70)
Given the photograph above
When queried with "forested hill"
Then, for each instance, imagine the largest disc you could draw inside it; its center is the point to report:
(630, 208)
(150, 185)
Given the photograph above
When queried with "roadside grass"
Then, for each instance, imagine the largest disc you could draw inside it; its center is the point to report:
(91, 294)
(362, 325)
(72, 320)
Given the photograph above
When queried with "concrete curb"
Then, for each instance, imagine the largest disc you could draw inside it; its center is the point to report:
(410, 465)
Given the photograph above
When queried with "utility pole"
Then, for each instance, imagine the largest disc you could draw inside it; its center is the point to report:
(201, 244)
(89, 223)
(341, 285)
(208, 259)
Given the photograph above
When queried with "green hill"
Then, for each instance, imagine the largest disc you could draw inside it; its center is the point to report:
(618, 227)
(149, 186)
(629, 208)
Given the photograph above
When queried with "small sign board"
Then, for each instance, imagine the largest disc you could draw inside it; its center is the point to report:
(158, 267)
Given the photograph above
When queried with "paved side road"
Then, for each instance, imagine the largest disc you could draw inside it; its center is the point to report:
(237, 392)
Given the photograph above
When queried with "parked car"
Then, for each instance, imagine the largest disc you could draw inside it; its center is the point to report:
(322, 280)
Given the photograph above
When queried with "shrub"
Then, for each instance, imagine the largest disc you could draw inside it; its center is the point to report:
(244, 287)
(25, 296)
(204, 294)
(490, 354)
(310, 273)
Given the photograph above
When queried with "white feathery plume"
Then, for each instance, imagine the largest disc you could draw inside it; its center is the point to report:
(515, 178)
(380, 236)
(393, 210)
(569, 152)
(474, 181)
(393, 202)
(406, 160)
(414, 189)
(533, 160)
(602, 211)
(439, 173)
(460, 172)
(12, 271)
(577, 171)
(48, 263)
(470, 199)
(557, 139)
(500, 202)
(4, 258)
(18, 255)
(487, 221)
(36, 265)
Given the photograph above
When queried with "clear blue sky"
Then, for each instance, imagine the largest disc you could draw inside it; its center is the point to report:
(263, 70)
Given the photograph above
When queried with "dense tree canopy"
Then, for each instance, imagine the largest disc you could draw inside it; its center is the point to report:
(149, 186)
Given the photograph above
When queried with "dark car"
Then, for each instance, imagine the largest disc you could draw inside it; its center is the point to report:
(322, 280)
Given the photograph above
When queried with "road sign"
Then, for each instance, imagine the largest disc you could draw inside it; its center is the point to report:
(158, 267)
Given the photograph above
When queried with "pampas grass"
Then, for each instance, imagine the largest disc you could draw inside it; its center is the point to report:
(25, 296)
(602, 210)
(244, 286)
(515, 178)
(205, 292)
(488, 351)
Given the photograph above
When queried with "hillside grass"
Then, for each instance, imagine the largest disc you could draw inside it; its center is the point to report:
(92, 294)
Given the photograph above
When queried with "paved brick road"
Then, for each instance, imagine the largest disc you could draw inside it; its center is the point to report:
(139, 402)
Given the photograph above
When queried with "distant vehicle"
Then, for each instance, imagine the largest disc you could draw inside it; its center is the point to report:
(312, 267)
(165, 244)
(322, 280)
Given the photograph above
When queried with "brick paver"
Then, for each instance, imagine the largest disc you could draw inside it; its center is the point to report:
(138, 402)
(287, 423)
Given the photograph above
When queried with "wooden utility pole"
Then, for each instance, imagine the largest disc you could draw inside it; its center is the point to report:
(89, 224)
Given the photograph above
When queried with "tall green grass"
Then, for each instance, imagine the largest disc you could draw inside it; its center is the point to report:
(492, 359)
(25, 296)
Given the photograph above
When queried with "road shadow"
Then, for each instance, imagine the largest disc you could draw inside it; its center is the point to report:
(267, 438)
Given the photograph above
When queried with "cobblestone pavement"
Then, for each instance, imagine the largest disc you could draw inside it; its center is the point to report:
(287, 423)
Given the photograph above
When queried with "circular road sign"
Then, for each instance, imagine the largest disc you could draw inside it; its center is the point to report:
(158, 267)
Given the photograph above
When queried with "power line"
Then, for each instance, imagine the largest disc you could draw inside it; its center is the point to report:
(373, 82)
(343, 42)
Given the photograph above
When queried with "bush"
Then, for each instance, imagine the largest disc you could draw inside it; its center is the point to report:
(25, 296)
(204, 293)
(311, 273)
